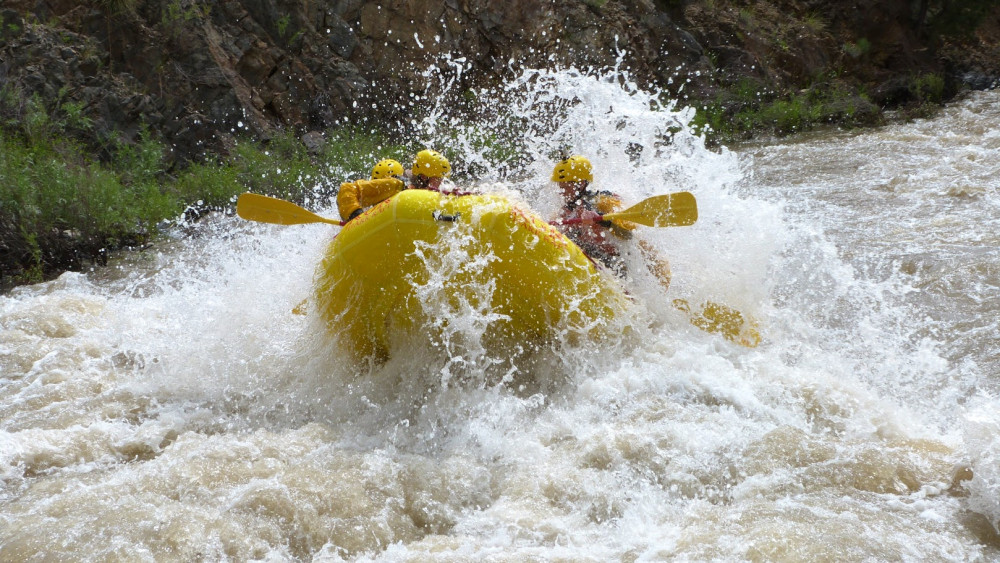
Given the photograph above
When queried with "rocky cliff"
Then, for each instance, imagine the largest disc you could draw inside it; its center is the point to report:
(197, 72)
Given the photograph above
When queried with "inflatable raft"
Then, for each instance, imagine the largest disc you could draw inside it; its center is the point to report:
(412, 264)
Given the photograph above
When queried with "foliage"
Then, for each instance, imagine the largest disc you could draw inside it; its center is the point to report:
(745, 109)
(815, 22)
(65, 207)
(928, 88)
(953, 17)
(350, 152)
(176, 14)
(60, 207)
(75, 117)
(282, 24)
(117, 7)
(858, 49)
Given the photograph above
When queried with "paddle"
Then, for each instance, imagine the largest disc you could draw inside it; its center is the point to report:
(668, 210)
(264, 209)
(723, 320)
(676, 209)
(680, 210)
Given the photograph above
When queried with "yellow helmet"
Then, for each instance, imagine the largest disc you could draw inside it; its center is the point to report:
(574, 169)
(387, 168)
(431, 163)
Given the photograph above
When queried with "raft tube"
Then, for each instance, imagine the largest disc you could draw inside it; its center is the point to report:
(382, 269)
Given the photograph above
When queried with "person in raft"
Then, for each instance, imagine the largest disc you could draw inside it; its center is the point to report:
(428, 172)
(580, 220)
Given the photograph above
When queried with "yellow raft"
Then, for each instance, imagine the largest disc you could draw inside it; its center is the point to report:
(413, 263)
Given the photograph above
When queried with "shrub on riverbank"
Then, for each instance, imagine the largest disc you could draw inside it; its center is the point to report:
(747, 109)
(61, 207)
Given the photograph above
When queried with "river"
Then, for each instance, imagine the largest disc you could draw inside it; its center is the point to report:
(170, 407)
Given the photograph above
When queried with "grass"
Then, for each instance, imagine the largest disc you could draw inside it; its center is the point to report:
(815, 22)
(857, 49)
(928, 88)
(746, 109)
(60, 207)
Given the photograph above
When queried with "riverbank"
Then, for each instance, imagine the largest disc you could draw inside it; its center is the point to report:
(62, 209)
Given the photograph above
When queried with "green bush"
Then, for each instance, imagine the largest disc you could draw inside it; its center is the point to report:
(59, 206)
(859, 49)
(742, 112)
(352, 151)
(213, 185)
(928, 87)
(63, 208)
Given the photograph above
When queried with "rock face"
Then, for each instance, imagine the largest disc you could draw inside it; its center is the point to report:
(197, 73)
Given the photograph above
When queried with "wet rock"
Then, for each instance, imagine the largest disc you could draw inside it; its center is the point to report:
(257, 64)
(313, 141)
(979, 80)
(11, 25)
(340, 36)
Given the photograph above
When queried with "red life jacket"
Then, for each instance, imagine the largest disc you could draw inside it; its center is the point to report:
(596, 240)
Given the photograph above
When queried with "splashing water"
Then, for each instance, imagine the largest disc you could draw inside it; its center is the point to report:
(172, 407)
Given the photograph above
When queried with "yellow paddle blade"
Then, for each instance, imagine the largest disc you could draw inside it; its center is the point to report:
(668, 210)
(264, 209)
(723, 320)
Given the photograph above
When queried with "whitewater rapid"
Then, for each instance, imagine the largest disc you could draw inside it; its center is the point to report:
(171, 406)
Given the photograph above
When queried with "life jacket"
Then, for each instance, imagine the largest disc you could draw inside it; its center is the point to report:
(361, 194)
(600, 241)
(354, 196)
